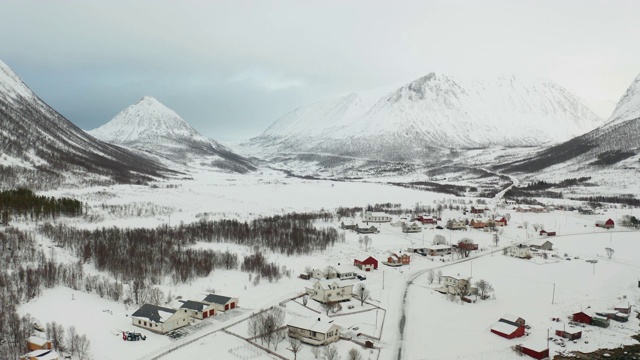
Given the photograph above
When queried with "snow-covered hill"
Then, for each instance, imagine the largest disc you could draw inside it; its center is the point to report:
(628, 107)
(39, 148)
(150, 126)
(435, 111)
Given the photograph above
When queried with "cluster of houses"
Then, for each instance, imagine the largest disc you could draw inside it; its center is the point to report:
(39, 349)
(162, 320)
(488, 223)
(511, 326)
(601, 318)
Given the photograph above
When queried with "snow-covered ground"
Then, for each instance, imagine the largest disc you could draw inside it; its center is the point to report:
(435, 327)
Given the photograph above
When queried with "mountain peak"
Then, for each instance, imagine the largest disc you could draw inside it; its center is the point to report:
(628, 107)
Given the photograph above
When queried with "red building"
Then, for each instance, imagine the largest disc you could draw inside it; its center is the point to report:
(582, 317)
(477, 211)
(548, 233)
(609, 224)
(536, 351)
(569, 334)
(426, 220)
(507, 330)
(398, 260)
(367, 264)
(502, 221)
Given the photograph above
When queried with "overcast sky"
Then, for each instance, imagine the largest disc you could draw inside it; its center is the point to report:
(230, 68)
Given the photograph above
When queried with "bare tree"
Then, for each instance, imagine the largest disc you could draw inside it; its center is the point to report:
(463, 288)
(328, 306)
(496, 239)
(361, 293)
(354, 354)
(507, 216)
(295, 345)
(484, 288)
(439, 239)
(367, 242)
(72, 340)
(439, 276)
(82, 347)
(431, 275)
(315, 351)
(609, 252)
(331, 353)
(535, 227)
(525, 224)
(305, 299)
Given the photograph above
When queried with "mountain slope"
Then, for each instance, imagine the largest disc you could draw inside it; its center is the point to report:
(39, 148)
(628, 107)
(435, 111)
(150, 126)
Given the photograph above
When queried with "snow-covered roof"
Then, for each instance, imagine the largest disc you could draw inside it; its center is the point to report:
(193, 305)
(504, 327)
(510, 317)
(377, 213)
(43, 354)
(37, 340)
(537, 345)
(340, 283)
(540, 242)
(154, 313)
(341, 269)
(438, 247)
(217, 299)
(311, 324)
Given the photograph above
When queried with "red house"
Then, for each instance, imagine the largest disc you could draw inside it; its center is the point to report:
(548, 233)
(477, 211)
(507, 330)
(569, 334)
(582, 317)
(398, 260)
(501, 222)
(535, 350)
(426, 219)
(367, 264)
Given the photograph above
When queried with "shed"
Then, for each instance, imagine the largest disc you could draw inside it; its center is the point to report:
(507, 330)
(221, 303)
(367, 264)
(536, 349)
(623, 308)
(569, 334)
(583, 317)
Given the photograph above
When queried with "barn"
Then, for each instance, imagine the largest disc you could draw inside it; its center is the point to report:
(367, 264)
(547, 233)
(569, 334)
(536, 349)
(583, 317)
(197, 309)
(608, 224)
(221, 303)
(506, 330)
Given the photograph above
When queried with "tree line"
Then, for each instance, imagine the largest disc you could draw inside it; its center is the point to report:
(24, 203)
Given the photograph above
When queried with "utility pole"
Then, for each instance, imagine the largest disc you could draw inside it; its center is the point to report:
(382, 279)
(553, 296)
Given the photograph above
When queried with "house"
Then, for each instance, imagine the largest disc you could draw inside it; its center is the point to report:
(159, 319)
(570, 334)
(42, 354)
(537, 209)
(348, 227)
(221, 303)
(547, 233)
(520, 251)
(197, 309)
(506, 330)
(456, 225)
(414, 227)
(477, 224)
(623, 308)
(330, 291)
(38, 343)
(585, 210)
(583, 317)
(378, 217)
(608, 224)
(536, 349)
(313, 331)
(502, 221)
(398, 260)
(426, 219)
(369, 230)
(438, 250)
(477, 210)
(367, 264)
(512, 319)
(343, 273)
(467, 244)
(541, 244)
(451, 283)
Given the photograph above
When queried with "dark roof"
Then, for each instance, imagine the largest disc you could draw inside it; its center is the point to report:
(193, 305)
(216, 299)
(151, 312)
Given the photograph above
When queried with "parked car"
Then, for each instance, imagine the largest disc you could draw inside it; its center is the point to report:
(439, 227)
(362, 277)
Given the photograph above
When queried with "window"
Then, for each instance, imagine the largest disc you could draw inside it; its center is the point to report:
(139, 322)
(145, 323)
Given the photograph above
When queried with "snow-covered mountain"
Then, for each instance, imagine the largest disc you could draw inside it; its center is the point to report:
(39, 148)
(150, 126)
(435, 111)
(617, 143)
(628, 107)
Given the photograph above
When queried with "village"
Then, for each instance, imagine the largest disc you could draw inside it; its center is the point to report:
(350, 299)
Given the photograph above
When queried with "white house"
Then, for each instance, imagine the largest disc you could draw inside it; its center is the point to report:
(343, 272)
(159, 319)
(330, 291)
(520, 250)
(379, 217)
(413, 227)
(221, 303)
(313, 331)
(450, 283)
(438, 250)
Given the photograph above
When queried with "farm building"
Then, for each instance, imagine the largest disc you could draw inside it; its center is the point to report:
(508, 331)
(364, 230)
(606, 224)
(413, 227)
(623, 308)
(378, 217)
(547, 233)
(512, 319)
(198, 310)
(600, 322)
(541, 244)
(43, 354)
(221, 303)
(159, 319)
(584, 317)
(313, 331)
(501, 221)
(426, 219)
(613, 315)
(569, 334)
(348, 227)
(367, 264)
(585, 210)
(520, 250)
(38, 343)
(536, 349)
(398, 260)
(330, 291)
(438, 250)
(477, 224)
(343, 272)
(477, 210)
(326, 273)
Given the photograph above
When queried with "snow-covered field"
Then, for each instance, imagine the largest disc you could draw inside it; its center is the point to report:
(435, 327)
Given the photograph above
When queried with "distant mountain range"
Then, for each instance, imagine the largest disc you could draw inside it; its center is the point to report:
(39, 148)
(433, 112)
(151, 127)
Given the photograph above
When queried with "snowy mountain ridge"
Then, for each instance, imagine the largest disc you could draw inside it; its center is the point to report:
(628, 107)
(436, 111)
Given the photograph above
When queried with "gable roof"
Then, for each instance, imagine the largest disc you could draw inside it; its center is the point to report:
(193, 305)
(43, 354)
(504, 327)
(311, 324)
(510, 318)
(540, 242)
(36, 340)
(217, 299)
(154, 313)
